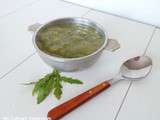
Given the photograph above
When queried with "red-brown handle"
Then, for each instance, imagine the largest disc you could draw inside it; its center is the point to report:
(61, 110)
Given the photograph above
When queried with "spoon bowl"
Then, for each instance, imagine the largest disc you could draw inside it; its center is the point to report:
(136, 68)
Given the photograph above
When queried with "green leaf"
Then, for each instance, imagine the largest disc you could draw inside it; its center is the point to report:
(57, 88)
(45, 89)
(58, 92)
(56, 74)
(38, 85)
(42, 94)
(51, 83)
(71, 80)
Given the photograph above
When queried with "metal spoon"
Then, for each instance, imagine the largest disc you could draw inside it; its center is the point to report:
(133, 69)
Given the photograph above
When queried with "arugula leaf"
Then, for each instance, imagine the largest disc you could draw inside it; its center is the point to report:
(42, 94)
(71, 80)
(45, 89)
(58, 92)
(51, 83)
(57, 88)
(38, 86)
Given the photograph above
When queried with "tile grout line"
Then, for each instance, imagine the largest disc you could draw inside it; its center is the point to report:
(150, 40)
(16, 66)
(125, 96)
(17, 9)
(83, 16)
(123, 100)
(89, 9)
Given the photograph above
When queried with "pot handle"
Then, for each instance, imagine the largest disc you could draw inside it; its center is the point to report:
(34, 27)
(112, 45)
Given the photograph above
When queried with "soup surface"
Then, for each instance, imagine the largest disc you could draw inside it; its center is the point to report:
(69, 40)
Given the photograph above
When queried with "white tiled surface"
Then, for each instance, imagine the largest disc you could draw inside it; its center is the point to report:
(16, 46)
(143, 100)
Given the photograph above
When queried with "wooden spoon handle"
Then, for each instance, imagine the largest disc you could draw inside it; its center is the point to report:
(61, 110)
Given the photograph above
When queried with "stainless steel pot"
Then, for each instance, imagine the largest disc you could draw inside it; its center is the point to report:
(73, 64)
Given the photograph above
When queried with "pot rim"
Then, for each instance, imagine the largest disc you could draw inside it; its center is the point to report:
(61, 59)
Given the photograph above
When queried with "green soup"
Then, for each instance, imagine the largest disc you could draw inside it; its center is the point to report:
(69, 40)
